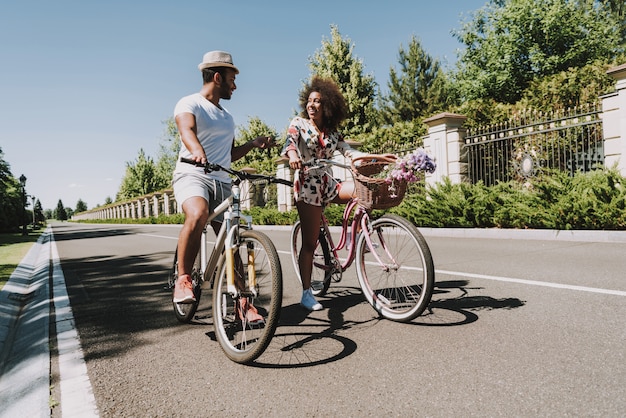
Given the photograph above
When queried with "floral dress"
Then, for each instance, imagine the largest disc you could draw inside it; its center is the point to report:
(315, 186)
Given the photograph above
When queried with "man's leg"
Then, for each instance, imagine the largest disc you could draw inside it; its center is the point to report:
(196, 211)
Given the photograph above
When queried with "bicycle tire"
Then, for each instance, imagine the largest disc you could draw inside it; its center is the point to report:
(185, 312)
(320, 278)
(243, 341)
(402, 290)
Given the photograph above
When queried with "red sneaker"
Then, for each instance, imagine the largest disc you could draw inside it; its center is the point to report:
(248, 313)
(183, 290)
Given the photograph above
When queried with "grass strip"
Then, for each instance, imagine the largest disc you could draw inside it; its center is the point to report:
(13, 248)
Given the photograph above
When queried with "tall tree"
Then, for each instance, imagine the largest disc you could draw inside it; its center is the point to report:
(618, 10)
(60, 213)
(335, 60)
(141, 178)
(418, 89)
(509, 43)
(169, 148)
(81, 206)
(39, 213)
(10, 197)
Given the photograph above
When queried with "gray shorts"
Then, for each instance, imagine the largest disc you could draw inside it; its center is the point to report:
(188, 185)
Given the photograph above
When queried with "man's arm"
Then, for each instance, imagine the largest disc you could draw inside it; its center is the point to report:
(186, 123)
(263, 142)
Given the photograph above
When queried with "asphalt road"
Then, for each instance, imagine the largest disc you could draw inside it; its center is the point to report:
(516, 328)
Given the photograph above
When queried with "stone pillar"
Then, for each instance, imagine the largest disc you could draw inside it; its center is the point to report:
(614, 121)
(155, 205)
(284, 193)
(146, 207)
(444, 142)
(245, 193)
(246, 190)
(166, 203)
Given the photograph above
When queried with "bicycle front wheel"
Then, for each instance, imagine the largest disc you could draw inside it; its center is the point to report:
(396, 272)
(245, 323)
(184, 312)
(321, 272)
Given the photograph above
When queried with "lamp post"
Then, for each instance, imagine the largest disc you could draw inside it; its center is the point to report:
(23, 183)
(34, 220)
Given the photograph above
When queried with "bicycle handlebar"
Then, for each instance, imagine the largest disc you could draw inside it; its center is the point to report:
(241, 175)
(318, 162)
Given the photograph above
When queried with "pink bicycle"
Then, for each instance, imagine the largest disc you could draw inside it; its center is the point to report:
(393, 261)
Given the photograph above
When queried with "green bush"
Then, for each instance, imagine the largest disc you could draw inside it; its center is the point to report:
(271, 216)
(595, 200)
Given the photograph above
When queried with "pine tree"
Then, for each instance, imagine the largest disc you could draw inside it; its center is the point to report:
(418, 89)
(60, 212)
(335, 60)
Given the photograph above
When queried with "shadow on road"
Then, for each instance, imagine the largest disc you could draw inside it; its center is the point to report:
(115, 310)
(69, 232)
(306, 339)
(452, 305)
(132, 300)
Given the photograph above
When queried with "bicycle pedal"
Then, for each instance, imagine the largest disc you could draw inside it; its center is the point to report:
(316, 285)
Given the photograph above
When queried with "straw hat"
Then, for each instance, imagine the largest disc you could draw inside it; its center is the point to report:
(214, 59)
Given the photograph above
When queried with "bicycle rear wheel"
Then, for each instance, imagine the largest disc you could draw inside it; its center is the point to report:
(401, 287)
(321, 273)
(243, 340)
(184, 312)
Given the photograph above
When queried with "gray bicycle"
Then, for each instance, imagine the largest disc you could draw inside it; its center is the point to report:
(243, 270)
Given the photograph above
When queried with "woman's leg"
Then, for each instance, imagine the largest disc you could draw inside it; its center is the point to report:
(310, 218)
(346, 192)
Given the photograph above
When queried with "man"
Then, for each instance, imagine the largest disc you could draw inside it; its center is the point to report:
(207, 132)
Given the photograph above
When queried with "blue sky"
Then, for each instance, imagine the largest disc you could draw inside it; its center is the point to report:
(85, 84)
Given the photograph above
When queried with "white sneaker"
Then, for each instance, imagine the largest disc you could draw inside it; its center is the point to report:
(308, 301)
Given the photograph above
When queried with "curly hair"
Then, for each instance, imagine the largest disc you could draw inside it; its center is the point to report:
(334, 108)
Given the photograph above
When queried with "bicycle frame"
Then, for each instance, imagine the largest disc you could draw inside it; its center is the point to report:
(361, 217)
(228, 233)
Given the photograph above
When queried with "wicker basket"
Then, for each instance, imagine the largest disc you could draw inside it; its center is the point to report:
(376, 193)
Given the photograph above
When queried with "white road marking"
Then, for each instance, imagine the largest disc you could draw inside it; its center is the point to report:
(534, 282)
(158, 236)
(498, 278)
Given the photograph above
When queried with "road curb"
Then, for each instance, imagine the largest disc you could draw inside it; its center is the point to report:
(25, 324)
(25, 315)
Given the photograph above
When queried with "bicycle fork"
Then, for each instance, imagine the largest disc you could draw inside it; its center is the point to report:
(393, 264)
(230, 248)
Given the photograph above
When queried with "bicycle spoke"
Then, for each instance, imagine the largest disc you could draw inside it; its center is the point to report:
(245, 322)
(396, 271)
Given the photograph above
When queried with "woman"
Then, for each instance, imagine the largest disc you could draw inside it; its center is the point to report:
(315, 134)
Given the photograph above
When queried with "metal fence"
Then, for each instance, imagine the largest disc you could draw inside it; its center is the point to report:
(569, 140)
